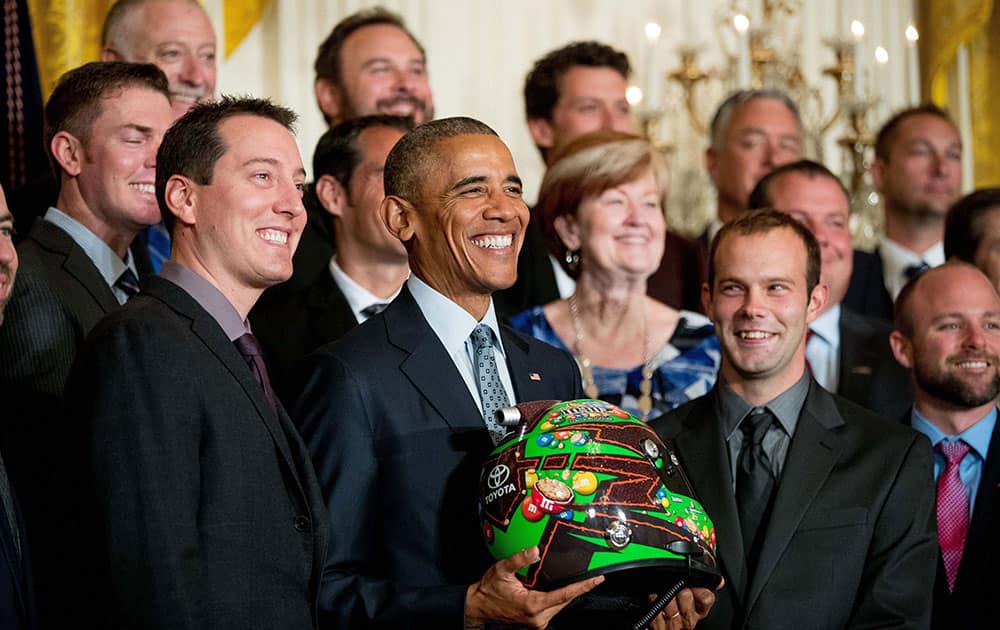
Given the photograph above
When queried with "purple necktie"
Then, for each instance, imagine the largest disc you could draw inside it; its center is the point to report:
(952, 509)
(249, 347)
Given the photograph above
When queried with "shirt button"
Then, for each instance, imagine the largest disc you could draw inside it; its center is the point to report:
(301, 523)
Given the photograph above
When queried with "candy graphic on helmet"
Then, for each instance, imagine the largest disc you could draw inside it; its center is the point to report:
(600, 494)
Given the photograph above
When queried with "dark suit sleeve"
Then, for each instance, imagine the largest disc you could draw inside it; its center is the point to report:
(336, 418)
(133, 394)
(38, 338)
(897, 585)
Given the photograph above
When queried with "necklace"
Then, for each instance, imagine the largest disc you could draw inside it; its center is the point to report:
(586, 367)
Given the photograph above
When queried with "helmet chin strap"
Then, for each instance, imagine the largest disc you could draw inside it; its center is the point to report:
(658, 605)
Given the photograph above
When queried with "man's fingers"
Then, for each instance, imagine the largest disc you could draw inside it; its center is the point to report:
(685, 604)
(521, 559)
(566, 594)
(704, 599)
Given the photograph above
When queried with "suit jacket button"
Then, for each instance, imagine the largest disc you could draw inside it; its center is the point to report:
(301, 523)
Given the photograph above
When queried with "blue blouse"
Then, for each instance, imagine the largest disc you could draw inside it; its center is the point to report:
(685, 367)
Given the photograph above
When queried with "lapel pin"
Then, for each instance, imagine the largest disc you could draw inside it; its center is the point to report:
(535, 376)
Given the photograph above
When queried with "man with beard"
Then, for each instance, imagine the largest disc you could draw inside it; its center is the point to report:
(947, 331)
(918, 172)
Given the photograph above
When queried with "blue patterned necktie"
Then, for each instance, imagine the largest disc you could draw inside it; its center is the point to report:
(128, 284)
(492, 394)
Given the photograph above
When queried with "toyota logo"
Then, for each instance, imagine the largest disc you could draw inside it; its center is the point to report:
(498, 476)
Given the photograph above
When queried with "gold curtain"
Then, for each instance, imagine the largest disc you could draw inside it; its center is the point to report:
(67, 33)
(945, 25)
(239, 17)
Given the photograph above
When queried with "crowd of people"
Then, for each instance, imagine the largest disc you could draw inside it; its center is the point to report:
(239, 395)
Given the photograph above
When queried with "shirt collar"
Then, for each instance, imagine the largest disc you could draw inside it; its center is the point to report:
(358, 297)
(208, 297)
(450, 322)
(977, 436)
(108, 264)
(786, 406)
(827, 326)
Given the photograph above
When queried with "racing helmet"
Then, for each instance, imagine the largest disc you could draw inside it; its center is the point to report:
(599, 494)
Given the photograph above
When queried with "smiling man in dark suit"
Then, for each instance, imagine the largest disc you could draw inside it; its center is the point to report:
(948, 332)
(199, 505)
(823, 512)
(103, 124)
(17, 605)
(847, 353)
(398, 414)
(370, 264)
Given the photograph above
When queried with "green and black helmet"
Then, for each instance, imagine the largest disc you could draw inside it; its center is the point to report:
(599, 494)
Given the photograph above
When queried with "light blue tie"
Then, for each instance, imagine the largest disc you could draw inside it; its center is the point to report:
(492, 394)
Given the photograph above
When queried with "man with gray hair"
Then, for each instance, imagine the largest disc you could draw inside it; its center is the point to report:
(752, 132)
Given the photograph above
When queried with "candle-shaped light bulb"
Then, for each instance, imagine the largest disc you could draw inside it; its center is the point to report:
(633, 95)
(653, 31)
(913, 64)
(741, 23)
(881, 55)
(858, 32)
(651, 85)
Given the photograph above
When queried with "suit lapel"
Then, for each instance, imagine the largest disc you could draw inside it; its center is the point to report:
(702, 450)
(428, 366)
(213, 337)
(813, 451)
(330, 314)
(855, 359)
(76, 264)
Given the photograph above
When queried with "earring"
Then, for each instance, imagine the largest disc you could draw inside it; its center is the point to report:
(572, 259)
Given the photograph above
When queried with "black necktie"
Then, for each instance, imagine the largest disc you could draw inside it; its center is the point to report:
(374, 309)
(128, 284)
(249, 347)
(915, 270)
(754, 481)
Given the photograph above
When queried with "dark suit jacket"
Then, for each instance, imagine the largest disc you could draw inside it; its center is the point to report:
(58, 297)
(867, 294)
(851, 541)
(199, 507)
(17, 596)
(971, 606)
(869, 373)
(677, 282)
(398, 443)
(304, 320)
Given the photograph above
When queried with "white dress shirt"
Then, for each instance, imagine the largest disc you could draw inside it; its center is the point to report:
(452, 324)
(896, 258)
(108, 264)
(358, 297)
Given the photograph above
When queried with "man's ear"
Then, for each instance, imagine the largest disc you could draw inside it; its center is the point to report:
(328, 98)
(181, 196)
(817, 301)
(902, 348)
(877, 170)
(568, 229)
(541, 132)
(706, 299)
(110, 54)
(399, 216)
(68, 152)
(332, 195)
(711, 163)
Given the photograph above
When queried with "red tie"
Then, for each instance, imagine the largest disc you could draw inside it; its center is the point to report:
(952, 509)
